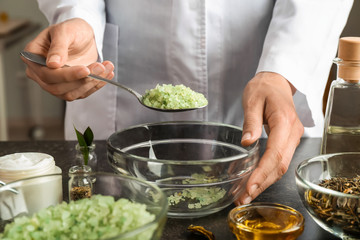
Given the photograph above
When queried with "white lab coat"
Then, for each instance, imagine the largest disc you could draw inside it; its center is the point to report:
(214, 47)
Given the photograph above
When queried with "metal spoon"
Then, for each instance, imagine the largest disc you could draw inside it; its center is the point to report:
(7, 188)
(42, 61)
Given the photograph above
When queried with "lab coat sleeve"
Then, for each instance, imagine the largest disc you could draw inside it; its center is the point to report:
(302, 41)
(302, 38)
(92, 11)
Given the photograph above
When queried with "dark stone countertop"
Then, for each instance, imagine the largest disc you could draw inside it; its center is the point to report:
(284, 191)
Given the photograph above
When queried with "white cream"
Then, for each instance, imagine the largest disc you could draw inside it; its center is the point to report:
(25, 161)
(27, 164)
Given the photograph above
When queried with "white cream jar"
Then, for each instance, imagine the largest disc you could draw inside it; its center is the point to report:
(32, 194)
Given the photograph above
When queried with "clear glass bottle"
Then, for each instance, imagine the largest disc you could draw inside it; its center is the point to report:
(92, 159)
(80, 182)
(342, 117)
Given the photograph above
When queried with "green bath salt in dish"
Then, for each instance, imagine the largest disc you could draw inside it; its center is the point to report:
(167, 96)
(100, 217)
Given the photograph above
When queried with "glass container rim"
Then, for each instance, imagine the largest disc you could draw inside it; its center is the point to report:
(321, 159)
(254, 147)
(254, 205)
(163, 199)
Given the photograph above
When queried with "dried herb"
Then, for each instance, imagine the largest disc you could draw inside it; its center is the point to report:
(201, 230)
(338, 211)
(85, 141)
(344, 185)
(81, 192)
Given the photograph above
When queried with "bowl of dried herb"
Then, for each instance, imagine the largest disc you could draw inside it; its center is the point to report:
(329, 187)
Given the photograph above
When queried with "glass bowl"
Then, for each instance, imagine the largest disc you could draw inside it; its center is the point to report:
(265, 221)
(33, 195)
(201, 166)
(335, 211)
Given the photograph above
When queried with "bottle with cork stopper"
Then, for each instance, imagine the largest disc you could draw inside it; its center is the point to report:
(342, 117)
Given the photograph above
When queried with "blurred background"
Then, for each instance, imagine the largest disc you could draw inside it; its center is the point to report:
(26, 111)
(31, 113)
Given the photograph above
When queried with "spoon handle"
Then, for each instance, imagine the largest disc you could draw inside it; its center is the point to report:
(136, 94)
(42, 61)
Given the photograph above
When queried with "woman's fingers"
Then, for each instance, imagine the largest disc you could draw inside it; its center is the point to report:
(59, 75)
(268, 100)
(70, 83)
(106, 70)
(274, 163)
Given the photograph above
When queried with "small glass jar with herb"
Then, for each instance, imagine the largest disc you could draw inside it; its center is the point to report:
(80, 183)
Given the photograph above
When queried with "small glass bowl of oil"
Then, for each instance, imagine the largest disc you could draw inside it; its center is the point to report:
(266, 221)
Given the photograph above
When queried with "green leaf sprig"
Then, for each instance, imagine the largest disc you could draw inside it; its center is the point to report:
(85, 141)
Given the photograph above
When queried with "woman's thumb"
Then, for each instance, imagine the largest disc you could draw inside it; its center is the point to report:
(58, 50)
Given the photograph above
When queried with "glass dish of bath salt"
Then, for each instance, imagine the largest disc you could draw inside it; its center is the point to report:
(120, 207)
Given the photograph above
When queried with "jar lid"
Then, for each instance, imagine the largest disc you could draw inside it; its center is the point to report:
(22, 165)
(349, 48)
(349, 53)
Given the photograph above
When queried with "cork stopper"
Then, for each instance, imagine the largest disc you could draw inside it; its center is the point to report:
(349, 51)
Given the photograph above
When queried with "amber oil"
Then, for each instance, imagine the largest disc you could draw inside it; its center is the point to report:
(265, 221)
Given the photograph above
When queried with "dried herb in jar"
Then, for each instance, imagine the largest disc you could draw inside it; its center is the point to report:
(77, 193)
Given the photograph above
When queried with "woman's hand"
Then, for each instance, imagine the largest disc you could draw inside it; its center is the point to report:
(71, 42)
(268, 101)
